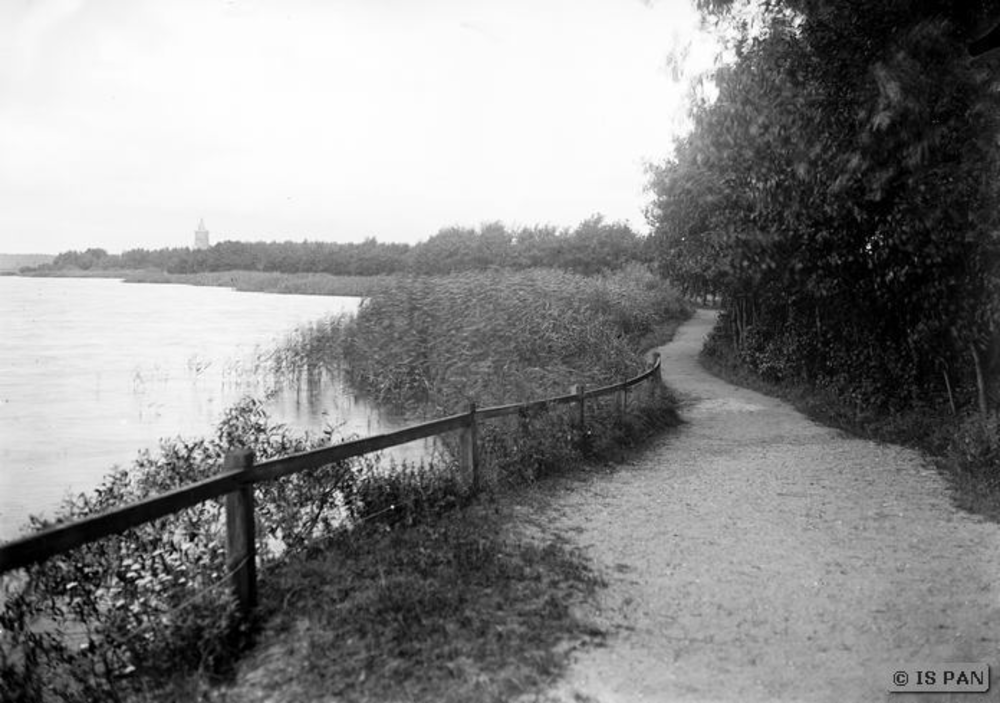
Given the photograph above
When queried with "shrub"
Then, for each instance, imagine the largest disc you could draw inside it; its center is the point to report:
(403, 494)
(528, 447)
(155, 599)
(975, 446)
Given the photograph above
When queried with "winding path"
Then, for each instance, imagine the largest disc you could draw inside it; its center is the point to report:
(755, 555)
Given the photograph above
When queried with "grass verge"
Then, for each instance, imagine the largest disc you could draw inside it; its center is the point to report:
(965, 448)
(452, 609)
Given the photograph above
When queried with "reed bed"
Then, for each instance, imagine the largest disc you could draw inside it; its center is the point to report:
(427, 346)
(503, 336)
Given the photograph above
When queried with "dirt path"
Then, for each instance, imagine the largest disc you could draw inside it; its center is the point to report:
(757, 556)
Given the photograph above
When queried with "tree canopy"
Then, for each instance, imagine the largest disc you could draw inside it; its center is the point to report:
(840, 194)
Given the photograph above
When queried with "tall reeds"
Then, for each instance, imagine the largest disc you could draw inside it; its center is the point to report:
(502, 336)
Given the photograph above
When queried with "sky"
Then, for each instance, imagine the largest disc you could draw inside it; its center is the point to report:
(124, 122)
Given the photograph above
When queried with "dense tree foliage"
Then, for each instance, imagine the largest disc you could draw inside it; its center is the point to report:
(593, 246)
(840, 194)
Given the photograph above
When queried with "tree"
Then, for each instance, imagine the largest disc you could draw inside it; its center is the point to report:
(840, 193)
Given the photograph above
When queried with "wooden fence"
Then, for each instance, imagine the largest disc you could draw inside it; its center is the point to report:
(240, 473)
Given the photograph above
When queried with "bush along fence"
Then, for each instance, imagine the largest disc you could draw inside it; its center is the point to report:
(240, 473)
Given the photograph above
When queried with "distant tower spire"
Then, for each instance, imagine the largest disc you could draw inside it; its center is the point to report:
(201, 235)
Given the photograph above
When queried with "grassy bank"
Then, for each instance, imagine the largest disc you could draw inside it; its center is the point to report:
(379, 582)
(83, 273)
(965, 447)
(269, 282)
(454, 608)
(254, 281)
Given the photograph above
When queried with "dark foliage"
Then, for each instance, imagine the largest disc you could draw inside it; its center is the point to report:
(840, 194)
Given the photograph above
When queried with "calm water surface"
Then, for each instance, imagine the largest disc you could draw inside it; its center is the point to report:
(92, 370)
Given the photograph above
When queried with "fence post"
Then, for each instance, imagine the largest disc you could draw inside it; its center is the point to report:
(581, 412)
(654, 380)
(241, 549)
(621, 401)
(470, 450)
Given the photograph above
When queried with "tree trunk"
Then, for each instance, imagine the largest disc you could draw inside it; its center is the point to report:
(980, 381)
(947, 385)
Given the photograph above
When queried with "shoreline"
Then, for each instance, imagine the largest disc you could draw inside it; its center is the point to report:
(239, 280)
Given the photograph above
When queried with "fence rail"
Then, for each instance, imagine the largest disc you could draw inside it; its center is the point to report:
(240, 473)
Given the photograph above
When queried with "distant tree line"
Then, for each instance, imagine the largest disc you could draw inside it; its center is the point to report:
(593, 246)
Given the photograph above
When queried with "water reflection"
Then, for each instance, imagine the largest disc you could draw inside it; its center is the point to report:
(321, 399)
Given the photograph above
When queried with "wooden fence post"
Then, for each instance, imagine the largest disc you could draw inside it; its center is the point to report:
(654, 381)
(621, 401)
(581, 413)
(470, 450)
(241, 548)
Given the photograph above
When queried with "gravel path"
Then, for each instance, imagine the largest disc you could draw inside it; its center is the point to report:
(754, 555)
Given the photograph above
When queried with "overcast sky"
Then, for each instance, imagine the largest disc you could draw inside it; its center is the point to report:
(122, 122)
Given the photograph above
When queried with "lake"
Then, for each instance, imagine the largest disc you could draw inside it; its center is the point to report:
(94, 370)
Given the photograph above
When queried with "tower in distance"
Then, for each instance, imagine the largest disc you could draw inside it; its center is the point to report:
(201, 236)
